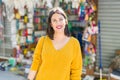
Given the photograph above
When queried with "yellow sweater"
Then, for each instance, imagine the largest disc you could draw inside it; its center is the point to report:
(62, 64)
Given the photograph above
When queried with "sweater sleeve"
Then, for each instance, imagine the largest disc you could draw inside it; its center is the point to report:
(36, 56)
(76, 65)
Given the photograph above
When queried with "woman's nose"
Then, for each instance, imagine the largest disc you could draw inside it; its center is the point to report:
(58, 22)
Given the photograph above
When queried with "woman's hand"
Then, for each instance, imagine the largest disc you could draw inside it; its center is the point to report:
(31, 75)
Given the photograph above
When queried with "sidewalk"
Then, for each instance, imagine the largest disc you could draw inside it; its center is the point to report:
(6, 75)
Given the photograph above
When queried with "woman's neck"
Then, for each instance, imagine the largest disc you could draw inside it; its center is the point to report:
(59, 36)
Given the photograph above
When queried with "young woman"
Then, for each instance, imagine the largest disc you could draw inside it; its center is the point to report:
(57, 55)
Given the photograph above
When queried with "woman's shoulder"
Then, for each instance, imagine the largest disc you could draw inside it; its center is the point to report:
(75, 41)
(41, 38)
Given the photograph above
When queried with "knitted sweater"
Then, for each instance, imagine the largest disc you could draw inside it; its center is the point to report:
(62, 64)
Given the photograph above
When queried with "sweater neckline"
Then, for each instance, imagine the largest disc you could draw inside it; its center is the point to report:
(64, 46)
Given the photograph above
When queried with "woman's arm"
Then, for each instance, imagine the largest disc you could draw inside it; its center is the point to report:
(36, 59)
(76, 65)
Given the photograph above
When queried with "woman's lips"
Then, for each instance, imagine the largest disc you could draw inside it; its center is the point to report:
(59, 26)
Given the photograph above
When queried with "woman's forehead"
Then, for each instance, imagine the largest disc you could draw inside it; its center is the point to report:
(57, 15)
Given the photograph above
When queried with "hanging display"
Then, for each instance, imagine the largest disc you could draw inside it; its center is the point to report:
(1, 34)
(1, 24)
(87, 12)
(20, 15)
(29, 17)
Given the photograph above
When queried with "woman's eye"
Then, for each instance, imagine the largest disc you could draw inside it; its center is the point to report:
(54, 20)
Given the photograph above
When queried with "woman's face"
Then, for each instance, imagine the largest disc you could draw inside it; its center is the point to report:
(58, 22)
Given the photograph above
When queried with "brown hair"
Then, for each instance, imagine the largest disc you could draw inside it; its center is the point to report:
(50, 31)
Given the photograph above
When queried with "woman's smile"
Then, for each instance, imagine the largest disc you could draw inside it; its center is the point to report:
(59, 26)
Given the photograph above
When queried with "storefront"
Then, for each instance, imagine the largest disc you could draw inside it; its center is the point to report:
(24, 23)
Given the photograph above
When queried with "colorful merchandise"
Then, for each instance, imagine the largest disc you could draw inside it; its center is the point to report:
(1, 34)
